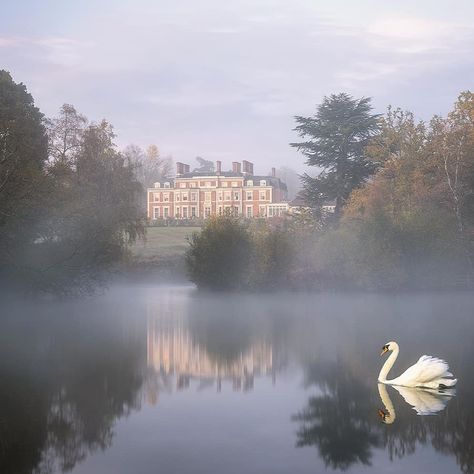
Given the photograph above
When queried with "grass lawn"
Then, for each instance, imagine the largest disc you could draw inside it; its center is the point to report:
(163, 242)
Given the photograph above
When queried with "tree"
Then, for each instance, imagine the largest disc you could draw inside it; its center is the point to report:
(219, 256)
(292, 180)
(92, 216)
(23, 183)
(149, 165)
(64, 134)
(335, 140)
(205, 166)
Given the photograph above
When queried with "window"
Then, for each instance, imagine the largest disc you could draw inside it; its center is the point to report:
(177, 197)
(249, 211)
(220, 195)
(193, 196)
(207, 197)
(177, 213)
(235, 211)
(167, 184)
(192, 185)
(250, 182)
(225, 184)
(249, 196)
(185, 212)
(182, 185)
(193, 212)
(157, 185)
(156, 212)
(156, 196)
(166, 197)
(236, 196)
(261, 211)
(207, 211)
(185, 197)
(263, 196)
(166, 212)
(263, 182)
(220, 210)
(227, 196)
(234, 184)
(208, 184)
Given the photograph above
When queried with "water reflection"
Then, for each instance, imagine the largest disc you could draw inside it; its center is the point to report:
(423, 401)
(176, 350)
(67, 379)
(62, 389)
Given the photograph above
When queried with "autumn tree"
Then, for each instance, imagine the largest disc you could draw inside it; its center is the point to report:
(335, 138)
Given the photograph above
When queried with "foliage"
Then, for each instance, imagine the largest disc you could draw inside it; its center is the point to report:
(69, 206)
(23, 183)
(219, 256)
(93, 216)
(335, 139)
(149, 165)
(229, 254)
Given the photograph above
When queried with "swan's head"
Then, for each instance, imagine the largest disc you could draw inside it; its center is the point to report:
(390, 346)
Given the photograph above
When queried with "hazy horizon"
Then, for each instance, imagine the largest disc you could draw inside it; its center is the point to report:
(224, 81)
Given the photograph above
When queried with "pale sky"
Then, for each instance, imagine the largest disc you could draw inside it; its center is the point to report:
(223, 79)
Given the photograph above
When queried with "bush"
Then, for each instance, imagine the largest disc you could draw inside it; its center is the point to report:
(218, 257)
(231, 254)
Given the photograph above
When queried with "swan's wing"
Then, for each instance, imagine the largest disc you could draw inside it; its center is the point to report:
(425, 370)
(422, 401)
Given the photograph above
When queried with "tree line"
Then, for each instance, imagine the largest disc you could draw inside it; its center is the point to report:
(70, 201)
(403, 195)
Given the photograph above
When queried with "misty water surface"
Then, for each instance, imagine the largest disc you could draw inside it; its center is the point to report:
(164, 379)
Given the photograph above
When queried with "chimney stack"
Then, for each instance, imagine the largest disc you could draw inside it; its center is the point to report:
(181, 168)
(273, 173)
(247, 167)
(236, 167)
(218, 167)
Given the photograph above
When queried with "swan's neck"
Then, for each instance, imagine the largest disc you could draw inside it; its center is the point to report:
(388, 365)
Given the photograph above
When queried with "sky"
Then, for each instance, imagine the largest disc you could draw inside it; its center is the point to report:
(224, 79)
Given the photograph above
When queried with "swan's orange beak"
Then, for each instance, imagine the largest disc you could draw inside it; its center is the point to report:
(384, 350)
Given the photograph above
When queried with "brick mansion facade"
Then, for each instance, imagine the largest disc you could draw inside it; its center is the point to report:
(200, 195)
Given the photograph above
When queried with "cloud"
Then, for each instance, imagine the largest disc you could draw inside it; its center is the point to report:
(8, 42)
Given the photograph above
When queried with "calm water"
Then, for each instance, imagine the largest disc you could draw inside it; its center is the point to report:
(163, 379)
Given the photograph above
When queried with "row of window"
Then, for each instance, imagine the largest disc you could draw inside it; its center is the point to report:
(210, 184)
(186, 212)
(227, 196)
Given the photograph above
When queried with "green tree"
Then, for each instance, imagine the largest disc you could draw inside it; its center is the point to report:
(335, 139)
(219, 257)
(93, 214)
(23, 182)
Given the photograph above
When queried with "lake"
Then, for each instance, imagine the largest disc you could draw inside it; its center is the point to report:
(147, 379)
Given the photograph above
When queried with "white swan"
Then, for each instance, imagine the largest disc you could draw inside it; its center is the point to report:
(428, 372)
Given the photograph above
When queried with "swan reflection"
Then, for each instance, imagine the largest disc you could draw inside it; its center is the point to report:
(423, 401)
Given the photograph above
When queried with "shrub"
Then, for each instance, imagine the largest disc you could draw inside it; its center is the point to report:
(218, 258)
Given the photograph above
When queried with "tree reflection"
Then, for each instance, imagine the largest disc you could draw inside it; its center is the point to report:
(338, 421)
(342, 422)
(63, 392)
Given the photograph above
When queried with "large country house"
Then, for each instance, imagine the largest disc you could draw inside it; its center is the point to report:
(199, 195)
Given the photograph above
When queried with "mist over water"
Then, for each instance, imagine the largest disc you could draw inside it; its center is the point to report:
(147, 379)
